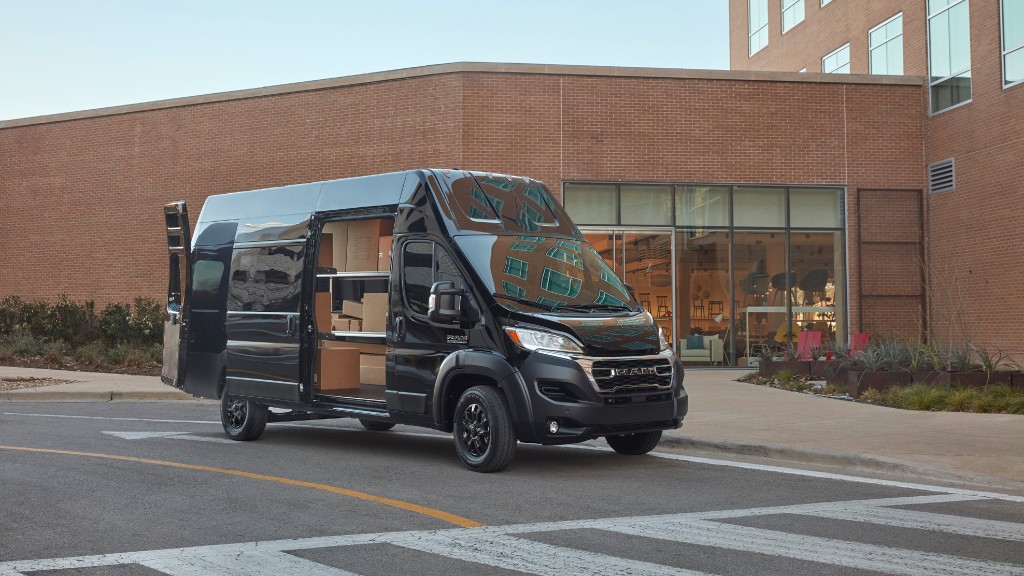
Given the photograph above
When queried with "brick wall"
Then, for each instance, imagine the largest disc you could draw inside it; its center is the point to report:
(81, 199)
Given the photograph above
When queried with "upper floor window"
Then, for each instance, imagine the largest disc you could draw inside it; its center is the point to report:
(885, 47)
(1013, 41)
(949, 53)
(757, 15)
(837, 62)
(823, 2)
(792, 14)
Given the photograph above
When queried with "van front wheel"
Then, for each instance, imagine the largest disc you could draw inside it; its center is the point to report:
(634, 444)
(484, 438)
(242, 419)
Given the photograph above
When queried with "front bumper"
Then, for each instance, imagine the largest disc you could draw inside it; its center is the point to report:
(560, 388)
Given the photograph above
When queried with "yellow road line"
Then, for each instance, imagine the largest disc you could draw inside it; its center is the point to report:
(440, 515)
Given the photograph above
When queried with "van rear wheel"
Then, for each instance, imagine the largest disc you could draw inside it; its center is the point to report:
(634, 444)
(484, 438)
(242, 419)
(376, 425)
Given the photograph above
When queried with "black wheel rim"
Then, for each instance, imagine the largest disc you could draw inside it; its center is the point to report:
(476, 430)
(235, 413)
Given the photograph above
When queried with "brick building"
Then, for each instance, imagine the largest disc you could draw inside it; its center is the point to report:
(734, 202)
(971, 55)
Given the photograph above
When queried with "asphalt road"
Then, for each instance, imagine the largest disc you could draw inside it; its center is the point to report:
(154, 488)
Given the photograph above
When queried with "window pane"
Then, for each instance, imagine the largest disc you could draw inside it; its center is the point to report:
(959, 38)
(894, 28)
(878, 61)
(877, 36)
(938, 46)
(1014, 66)
(591, 203)
(206, 280)
(759, 206)
(936, 5)
(266, 279)
(702, 206)
(814, 208)
(1013, 24)
(951, 92)
(894, 56)
(649, 205)
(418, 273)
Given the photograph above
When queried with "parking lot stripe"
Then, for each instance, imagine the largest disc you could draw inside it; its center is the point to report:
(433, 513)
(929, 521)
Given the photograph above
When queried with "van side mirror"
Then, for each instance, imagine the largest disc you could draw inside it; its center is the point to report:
(449, 305)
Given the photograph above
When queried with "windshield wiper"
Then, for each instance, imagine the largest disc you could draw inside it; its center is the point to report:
(524, 301)
(621, 307)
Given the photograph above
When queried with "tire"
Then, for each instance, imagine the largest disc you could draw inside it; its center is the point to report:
(376, 425)
(242, 419)
(484, 438)
(634, 444)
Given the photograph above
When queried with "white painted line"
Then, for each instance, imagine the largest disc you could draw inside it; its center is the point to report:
(260, 563)
(531, 557)
(174, 435)
(855, 555)
(929, 521)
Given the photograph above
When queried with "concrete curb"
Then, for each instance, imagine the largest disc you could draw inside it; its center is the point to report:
(89, 396)
(790, 453)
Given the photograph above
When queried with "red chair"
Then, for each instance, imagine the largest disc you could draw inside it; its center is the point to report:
(858, 342)
(807, 343)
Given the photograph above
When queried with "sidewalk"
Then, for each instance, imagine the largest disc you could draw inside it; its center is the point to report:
(729, 418)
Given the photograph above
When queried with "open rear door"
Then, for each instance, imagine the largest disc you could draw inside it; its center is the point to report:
(179, 243)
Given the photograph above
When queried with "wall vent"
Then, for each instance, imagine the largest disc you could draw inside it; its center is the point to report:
(940, 176)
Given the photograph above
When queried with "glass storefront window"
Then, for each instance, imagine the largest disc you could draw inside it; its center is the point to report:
(704, 302)
(702, 206)
(759, 207)
(815, 208)
(591, 203)
(646, 205)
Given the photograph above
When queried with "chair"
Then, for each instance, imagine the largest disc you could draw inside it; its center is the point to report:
(755, 287)
(858, 342)
(807, 343)
(786, 335)
(814, 284)
(782, 282)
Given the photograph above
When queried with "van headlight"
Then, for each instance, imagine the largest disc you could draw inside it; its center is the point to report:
(540, 340)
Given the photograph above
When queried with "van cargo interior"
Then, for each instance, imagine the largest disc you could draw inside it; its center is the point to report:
(353, 269)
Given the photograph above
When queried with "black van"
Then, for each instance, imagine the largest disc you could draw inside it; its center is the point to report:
(462, 301)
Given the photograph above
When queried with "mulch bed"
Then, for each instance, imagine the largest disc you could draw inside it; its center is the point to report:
(67, 363)
(18, 382)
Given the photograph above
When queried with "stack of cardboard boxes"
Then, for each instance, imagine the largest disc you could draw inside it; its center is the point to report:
(359, 246)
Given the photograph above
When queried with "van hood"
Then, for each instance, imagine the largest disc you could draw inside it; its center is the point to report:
(635, 335)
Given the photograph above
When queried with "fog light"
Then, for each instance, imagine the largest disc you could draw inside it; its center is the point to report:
(553, 426)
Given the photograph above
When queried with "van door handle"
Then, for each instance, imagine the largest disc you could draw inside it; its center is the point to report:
(400, 328)
(290, 328)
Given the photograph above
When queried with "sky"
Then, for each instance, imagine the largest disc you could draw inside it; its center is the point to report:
(69, 55)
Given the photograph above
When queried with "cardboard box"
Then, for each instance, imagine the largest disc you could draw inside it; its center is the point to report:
(384, 253)
(339, 240)
(322, 311)
(364, 243)
(339, 368)
(364, 348)
(352, 309)
(375, 310)
(325, 257)
(373, 369)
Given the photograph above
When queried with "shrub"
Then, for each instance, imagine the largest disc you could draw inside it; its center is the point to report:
(924, 397)
(116, 323)
(71, 322)
(21, 342)
(148, 321)
(961, 399)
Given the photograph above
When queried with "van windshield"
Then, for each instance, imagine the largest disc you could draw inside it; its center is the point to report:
(545, 273)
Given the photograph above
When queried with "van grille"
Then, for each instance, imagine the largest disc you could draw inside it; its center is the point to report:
(648, 374)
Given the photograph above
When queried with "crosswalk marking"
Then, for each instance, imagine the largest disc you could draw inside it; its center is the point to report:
(251, 564)
(531, 557)
(814, 549)
(929, 521)
(500, 547)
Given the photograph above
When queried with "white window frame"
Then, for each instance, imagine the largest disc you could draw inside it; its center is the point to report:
(833, 53)
(751, 34)
(1006, 51)
(928, 46)
(884, 42)
(792, 5)
(824, 2)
